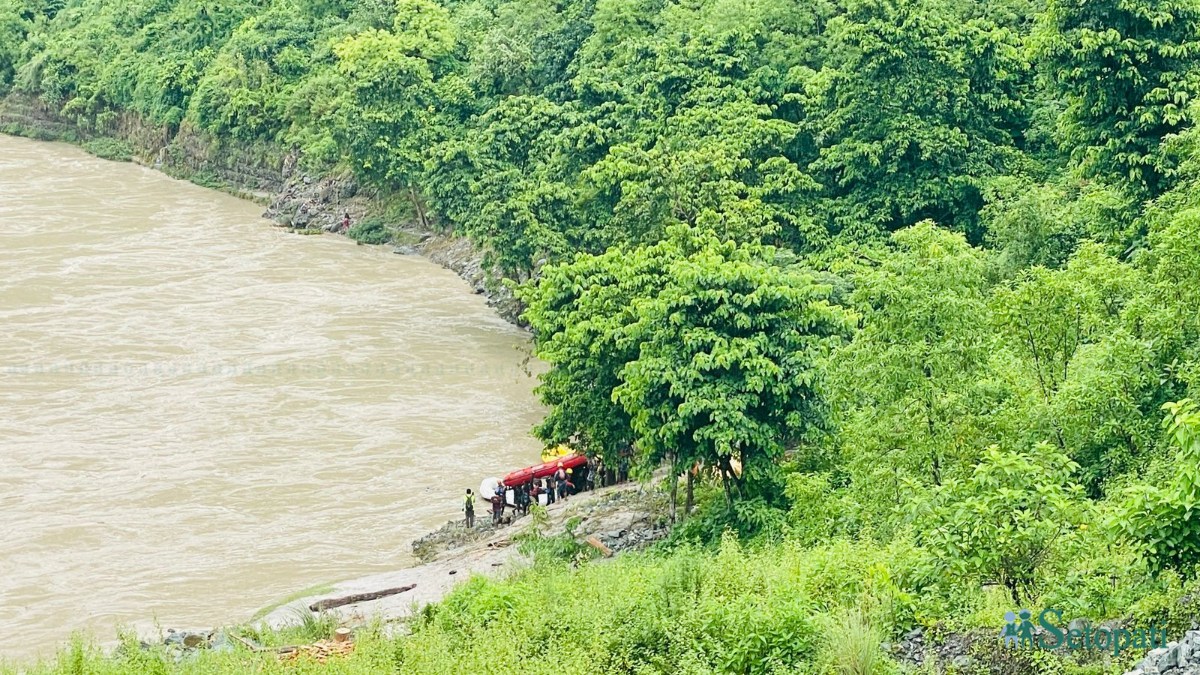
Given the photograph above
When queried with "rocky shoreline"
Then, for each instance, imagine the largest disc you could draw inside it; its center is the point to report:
(623, 517)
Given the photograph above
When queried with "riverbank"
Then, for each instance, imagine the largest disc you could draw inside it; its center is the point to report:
(267, 175)
(622, 517)
(616, 519)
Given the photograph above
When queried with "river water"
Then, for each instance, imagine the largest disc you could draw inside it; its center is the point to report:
(201, 413)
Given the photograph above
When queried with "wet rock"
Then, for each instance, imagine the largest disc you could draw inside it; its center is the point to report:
(221, 642)
(194, 641)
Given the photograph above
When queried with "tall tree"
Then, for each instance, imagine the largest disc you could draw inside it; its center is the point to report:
(914, 378)
(580, 313)
(1049, 315)
(1127, 70)
(726, 368)
(911, 112)
(388, 116)
(693, 349)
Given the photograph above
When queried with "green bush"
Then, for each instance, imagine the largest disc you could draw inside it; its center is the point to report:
(1167, 520)
(109, 148)
(1001, 523)
(370, 231)
(853, 646)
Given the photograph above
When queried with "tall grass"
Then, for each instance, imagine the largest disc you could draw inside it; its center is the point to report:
(853, 646)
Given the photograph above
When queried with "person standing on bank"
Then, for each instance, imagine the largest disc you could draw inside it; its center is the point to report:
(469, 508)
(498, 505)
(560, 479)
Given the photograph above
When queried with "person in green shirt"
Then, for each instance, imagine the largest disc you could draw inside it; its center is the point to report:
(469, 508)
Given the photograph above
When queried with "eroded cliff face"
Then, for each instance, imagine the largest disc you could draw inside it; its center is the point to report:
(265, 173)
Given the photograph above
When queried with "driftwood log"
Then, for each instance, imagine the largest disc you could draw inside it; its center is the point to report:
(595, 543)
(330, 603)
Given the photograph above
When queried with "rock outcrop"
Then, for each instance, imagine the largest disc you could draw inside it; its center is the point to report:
(1176, 658)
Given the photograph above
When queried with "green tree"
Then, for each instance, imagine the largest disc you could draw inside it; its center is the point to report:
(1127, 71)
(388, 115)
(692, 349)
(504, 184)
(1002, 522)
(580, 313)
(1029, 224)
(14, 25)
(1047, 316)
(914, 381)
(1167, 520)
(912, 110)
(726, 366)
(1167, 309)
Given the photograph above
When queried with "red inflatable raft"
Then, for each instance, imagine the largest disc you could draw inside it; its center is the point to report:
(523, 476)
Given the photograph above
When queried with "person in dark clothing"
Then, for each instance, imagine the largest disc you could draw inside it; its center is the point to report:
(523, 499)
(498, 505)
(469, 508)
(589, 477)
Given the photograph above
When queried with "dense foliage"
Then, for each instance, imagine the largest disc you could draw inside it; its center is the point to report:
(916, 276)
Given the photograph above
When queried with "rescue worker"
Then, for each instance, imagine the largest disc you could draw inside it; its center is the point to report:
(469, 508)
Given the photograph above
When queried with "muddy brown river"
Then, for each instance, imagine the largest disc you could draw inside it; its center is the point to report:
(201, 413)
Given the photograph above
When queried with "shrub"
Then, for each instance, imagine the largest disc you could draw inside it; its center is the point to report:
(109, 148)
(370, 231)
(852, 646)
(1001, 523)
(1167, 520)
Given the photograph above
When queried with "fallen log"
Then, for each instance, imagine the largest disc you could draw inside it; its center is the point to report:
(330, 603)
(245, 643)
(595, 543)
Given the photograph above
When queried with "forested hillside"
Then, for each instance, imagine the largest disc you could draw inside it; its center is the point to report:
(908, 284)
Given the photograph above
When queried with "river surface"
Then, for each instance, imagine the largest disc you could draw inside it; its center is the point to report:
(201, 413)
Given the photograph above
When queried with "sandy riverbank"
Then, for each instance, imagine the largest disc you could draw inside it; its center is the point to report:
(623, 517)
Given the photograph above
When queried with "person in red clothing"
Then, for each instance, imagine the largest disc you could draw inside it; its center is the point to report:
(346, 223)
(564, 485)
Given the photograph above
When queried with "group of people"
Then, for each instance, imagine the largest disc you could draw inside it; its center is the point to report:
(557, 486)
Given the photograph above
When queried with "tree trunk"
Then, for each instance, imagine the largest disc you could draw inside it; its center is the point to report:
(689, 500)
(674, 490)
(739, 482)
(330, 603)
(412, 195)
